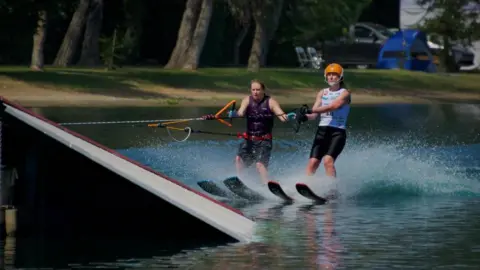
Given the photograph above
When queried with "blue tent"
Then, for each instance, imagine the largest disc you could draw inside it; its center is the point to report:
(410, 46)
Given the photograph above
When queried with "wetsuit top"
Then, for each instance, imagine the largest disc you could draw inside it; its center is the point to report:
(337, 118)
(259, 117)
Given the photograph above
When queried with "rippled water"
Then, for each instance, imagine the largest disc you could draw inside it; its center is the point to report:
(409, 179)
(412, 234)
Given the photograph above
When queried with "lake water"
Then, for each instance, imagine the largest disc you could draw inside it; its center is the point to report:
(409, 178)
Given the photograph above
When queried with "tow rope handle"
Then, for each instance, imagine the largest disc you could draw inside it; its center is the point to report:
(217, 115)
(299, 115)
(234, 105)
(168, 127)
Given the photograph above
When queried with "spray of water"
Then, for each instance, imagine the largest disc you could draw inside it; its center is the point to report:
(468, 110)
(367, 169)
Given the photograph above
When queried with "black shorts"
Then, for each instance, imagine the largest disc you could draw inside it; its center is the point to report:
(255, 151)
(328, 141)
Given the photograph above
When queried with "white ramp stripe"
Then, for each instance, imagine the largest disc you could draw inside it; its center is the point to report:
(222, 218)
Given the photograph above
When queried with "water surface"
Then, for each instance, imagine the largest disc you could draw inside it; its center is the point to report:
(409, 178)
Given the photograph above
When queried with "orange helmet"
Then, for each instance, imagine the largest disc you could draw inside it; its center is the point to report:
(334, 68)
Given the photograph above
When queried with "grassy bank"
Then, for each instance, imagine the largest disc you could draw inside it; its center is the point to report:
(159, 86)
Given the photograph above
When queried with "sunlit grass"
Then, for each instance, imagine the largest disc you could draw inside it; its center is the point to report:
(233, 79)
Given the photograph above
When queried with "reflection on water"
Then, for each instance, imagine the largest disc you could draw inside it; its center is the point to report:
(8, 249)
(413, 234)
(410, 175)
(410, 235)
(308, 241)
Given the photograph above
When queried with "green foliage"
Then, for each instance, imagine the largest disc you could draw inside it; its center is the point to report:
(18, 24)
(147, 28)
(134, 12)
(458, 20)
(240, 10)
(112, 49)
(320, 20)
(451, 21)
(214, 50)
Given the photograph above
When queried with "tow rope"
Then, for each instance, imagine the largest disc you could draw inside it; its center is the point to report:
(188, 129)
(169, 124)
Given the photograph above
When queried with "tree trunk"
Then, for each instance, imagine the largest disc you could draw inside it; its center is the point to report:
(37, 61)
(259, 40)
(273, 26)
(199, 37)
(238, 42)
(134, 11)
(448, 60)
(185, 34)
(70, 41)
(90, 48)
(131, 42)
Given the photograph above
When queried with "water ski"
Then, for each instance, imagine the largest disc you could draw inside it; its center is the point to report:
(307, 192)
(277, 190)
(212, 188)
(239, 188)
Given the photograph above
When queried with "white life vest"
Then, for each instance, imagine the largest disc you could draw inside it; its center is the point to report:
(337, 118)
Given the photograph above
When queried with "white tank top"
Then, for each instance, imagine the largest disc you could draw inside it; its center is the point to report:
(337, 118)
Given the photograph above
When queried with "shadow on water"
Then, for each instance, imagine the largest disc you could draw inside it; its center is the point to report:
(408, 178)
(337, 236)
(73, 252)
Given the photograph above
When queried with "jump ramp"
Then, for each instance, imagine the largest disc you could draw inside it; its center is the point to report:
(67, 183)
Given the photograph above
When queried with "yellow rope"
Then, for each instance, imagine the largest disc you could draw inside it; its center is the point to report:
(175, 128)
(188, 129)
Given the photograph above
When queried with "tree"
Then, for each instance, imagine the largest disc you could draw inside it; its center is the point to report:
(309, 21)
(266, 14)
(90, 47)
(185, 33)
(37, 61)
(70, 42)
(134, 12)
(453, 21)
(272, 29)
(240, 10)
(316, 21)
(198, 40)
(191, 35)
(44, 11)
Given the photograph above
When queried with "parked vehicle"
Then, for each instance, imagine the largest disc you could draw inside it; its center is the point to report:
(360, 48)
(464, 57)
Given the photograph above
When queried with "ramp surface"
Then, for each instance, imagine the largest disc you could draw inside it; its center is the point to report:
(218, 215)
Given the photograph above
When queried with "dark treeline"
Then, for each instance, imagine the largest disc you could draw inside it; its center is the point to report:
(182, 33)
(155, 28)
(158, 25)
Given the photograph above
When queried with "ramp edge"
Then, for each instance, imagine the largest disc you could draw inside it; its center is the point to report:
(242, 235)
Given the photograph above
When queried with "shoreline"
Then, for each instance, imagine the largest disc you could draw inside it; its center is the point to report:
(154, 87)
(361, 98)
